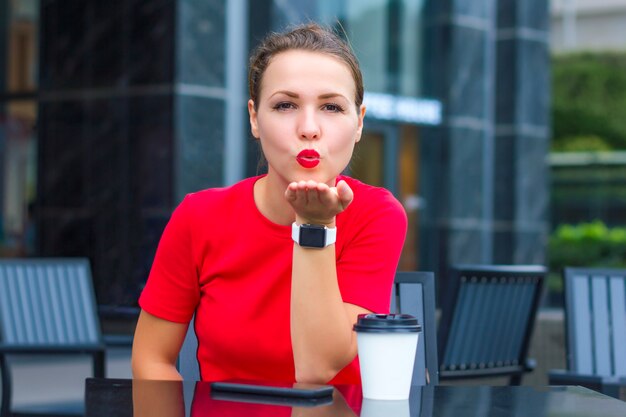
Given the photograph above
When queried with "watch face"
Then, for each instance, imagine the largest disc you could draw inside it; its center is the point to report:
(312, 236)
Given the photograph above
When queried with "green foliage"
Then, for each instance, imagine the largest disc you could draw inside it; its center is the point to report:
(589, 98)
(584, 245)
(588, 143)
(587, 244)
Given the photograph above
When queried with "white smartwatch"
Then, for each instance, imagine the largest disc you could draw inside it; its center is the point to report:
(313, 235)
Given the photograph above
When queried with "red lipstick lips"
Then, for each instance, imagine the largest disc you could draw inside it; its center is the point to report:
(308, 158)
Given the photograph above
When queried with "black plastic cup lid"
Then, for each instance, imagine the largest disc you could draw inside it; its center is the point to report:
(387, 323)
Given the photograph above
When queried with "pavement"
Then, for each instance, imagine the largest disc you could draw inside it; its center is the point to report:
(40, 381)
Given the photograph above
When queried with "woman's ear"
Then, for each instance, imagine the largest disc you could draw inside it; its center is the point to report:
(254, 126)
(359, 129)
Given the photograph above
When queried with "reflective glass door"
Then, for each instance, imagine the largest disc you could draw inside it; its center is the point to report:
(388, 156)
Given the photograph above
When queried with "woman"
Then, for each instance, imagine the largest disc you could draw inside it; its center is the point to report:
(277, 268)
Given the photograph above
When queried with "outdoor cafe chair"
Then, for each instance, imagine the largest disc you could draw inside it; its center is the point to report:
(47, 307)
(595, 329)
(487, 320)
(414, 293)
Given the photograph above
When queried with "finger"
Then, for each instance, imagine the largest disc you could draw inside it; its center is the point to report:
(328, 196)
(302, 193)
(290, 192)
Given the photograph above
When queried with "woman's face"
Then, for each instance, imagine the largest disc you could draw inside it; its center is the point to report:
(306, 118)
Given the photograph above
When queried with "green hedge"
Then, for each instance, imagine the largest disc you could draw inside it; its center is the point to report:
(586, 245)
(589, 98)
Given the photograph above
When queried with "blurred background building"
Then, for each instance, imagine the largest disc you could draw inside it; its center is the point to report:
(111, 111)
(588, 25)
(588, 148)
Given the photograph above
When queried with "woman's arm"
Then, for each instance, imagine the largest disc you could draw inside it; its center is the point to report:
(158, 399)
(156, 346)
(321, 323)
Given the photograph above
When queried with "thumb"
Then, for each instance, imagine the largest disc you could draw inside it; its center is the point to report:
(345, 194)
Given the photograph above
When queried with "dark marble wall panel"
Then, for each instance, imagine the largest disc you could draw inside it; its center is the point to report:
(106, 152)
(199, 144)
(480, 9)
(531, 180)
(467, 72)
(62, 180)
(528, 14)
(150, 229)
(151, 152)
(64, 48)
(435, 61)
(530, 247)
(97, 44)
(112, 228)
(66, 233)
(465, 245)
(507, 97)
(112, 167)
(435, 10)
(505, 163)
(434, 156)
(106, 38)
(201, 42)
(506, 13)
(507, 75)
(533, 88)
(533, 14)
(151, 42)
(503, 245)
(467, 155)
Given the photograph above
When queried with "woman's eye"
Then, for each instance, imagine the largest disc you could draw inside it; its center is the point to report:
(332, 107)
(284, 106)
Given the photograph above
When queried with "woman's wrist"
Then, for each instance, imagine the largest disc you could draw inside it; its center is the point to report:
(330, 222)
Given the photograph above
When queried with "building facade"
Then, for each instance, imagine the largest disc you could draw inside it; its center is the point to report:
(588, 25)
(112, 111)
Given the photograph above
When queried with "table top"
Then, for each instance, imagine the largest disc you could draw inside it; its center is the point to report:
(106, 397)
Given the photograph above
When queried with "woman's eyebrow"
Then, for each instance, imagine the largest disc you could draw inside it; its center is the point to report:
(296, 95)
(287, 93)
(330, 95)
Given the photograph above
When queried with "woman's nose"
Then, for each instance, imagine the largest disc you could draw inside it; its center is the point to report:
(308, 126)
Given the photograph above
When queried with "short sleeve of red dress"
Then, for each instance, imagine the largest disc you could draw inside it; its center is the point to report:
(172, 290)
(371, 233)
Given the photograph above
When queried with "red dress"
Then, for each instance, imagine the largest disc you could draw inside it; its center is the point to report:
(220, 258)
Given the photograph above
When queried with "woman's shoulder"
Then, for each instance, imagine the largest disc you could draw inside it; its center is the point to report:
(370, 195)
(219, 197)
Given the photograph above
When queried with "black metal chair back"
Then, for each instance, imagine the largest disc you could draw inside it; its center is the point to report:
(415, 295)
(487, 321)
(47, 306)
(595, 328)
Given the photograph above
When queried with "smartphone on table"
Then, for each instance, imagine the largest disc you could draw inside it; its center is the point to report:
(273, 389)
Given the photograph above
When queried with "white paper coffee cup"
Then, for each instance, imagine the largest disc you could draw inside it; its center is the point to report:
(386, 346)
(385, 408)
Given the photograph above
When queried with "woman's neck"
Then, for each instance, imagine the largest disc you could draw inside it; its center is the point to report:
(269, 197)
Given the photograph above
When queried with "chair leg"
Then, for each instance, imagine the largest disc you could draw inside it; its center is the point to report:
(516, 380)
(5, 408)
(610, 390)
(98, 364)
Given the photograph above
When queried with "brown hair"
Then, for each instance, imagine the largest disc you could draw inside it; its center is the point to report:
(307, 37)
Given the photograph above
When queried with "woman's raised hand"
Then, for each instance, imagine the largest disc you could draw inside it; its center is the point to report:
(317, 203)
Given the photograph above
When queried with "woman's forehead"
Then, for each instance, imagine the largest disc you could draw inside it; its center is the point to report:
(298, 69)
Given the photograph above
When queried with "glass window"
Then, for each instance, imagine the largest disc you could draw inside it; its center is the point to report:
(22, 46)
(386, 36)
(18, 120)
